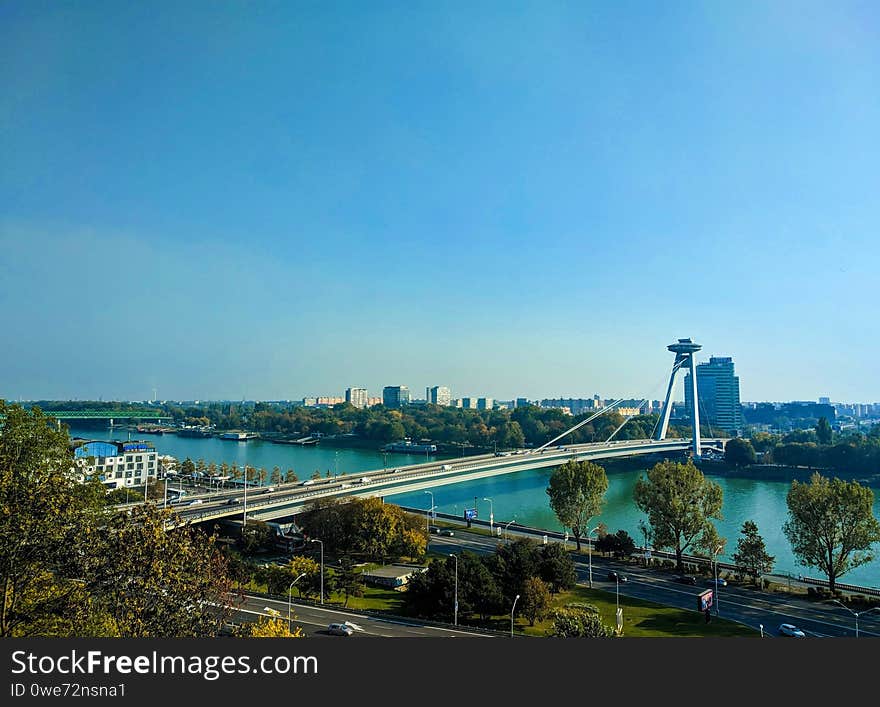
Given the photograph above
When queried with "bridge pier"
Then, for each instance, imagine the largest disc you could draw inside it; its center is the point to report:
(684, 351)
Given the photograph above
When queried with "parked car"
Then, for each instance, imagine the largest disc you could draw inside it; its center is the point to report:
(686, 579)
(447, 532)
(340, 630)
(791, 630)
(615, 577)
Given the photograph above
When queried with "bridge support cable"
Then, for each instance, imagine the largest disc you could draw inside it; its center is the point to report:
(580, 424)
(675, 368)
(629, 417)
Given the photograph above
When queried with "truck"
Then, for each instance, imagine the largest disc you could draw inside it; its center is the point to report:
(446, 467)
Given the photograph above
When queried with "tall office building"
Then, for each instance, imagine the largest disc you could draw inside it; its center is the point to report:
(395, 396)
(356, 397)
(439, 395)
(718, 394)
(485, 403)
(469, 403)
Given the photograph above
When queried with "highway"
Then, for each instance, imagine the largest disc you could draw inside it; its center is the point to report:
(314, 621)
(744, 605)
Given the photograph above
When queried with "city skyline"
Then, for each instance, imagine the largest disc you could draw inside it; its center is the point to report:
(509, 202)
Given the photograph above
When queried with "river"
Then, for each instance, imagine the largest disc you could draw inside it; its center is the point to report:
(520, 497)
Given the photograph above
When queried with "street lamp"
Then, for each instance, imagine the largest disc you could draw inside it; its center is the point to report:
(337, 464)
(507, 526)
(511, 614)
(617, 590)
(289, 591)
(244, 512)
(315, 540)
(715, 561)
(428, 514)
(491, 516)
(590, 552)
(856, 613)
(455, 611)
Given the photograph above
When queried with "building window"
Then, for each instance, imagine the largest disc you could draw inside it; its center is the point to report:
(140, 466)
(138, 457)
(128, 474)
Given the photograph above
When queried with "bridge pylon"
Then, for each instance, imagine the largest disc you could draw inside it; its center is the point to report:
(684, 350)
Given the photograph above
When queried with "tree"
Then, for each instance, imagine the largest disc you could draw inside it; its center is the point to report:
(739, 452)
(154, 582)
(679, 502)
(579, 621)
(310, 584)
(477, 589)
(513, 564)
(751, 556)
(255, 537)
(831, 525)
(535, 600)
(187, 467)
(268, 628)
(276, 475)
(349, 580)
(556, 567)
(576, 492)
(290, 476)
(47, 518)
(823, 431)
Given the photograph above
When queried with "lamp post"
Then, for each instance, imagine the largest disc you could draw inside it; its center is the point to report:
(590, 552)
(617, 590)
(507, 526)
(165, 502)
(337, 465)
(856, 614)
(715, 562)
(455, 610)
(491, 516)
(428, 514)
(315, 540)
(244, 512)
(511, 614)
(289, 591)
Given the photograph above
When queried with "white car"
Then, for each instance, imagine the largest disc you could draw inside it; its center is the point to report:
(791, 630)
(196, 502)
(340, 630)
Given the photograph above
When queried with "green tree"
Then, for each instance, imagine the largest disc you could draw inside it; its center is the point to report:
(679, 502)
(187, 467)
(255, 537)
(535, 600)
(577, 491)
(152, 582)
(831, 525)
(579, 621)
(739, 452)
(751, 557)
(477, 589)
(513, 564)
(556, 567)
(46, 519)
(349, 580)
(310, 584)
(823, 431)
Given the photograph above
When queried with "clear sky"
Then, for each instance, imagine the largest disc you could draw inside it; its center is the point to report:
(277, 199)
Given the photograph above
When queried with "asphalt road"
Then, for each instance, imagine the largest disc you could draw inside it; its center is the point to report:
(314, 621)
(744, 605)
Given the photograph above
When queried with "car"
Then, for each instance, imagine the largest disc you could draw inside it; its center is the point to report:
(340, 630)
(434, 530)
(447, 533)
(615, 577)
(307, 482)
(395, 471)
(791, 630)
(269, 489)
(196, 502)
(686, 579)
(721, 582)
(233, 501)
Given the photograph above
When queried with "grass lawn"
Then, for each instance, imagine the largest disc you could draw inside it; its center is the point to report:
(641, 618)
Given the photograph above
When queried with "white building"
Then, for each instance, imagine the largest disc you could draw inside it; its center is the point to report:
(357, 397)
(439, 395)
(118, 464)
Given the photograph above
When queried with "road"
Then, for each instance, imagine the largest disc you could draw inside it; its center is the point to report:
(744, 605)
(314, 620)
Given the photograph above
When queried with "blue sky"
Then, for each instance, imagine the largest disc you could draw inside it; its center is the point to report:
(272, 200)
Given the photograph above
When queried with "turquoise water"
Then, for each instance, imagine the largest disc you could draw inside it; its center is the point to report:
(520, 496)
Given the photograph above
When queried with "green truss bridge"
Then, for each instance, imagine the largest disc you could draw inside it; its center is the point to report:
(111, 415)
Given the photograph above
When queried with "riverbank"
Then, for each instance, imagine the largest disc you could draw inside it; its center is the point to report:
(779, 472)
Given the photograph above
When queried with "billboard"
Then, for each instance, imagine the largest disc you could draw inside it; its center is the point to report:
(704, 600)
(470, 513)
